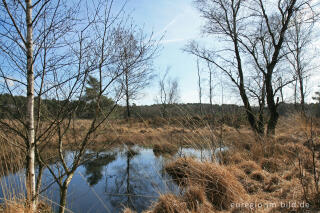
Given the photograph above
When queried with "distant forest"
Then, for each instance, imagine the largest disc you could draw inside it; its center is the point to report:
(85, 109)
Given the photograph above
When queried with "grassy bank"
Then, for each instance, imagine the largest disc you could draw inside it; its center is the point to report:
(269, 174)
(261, 174)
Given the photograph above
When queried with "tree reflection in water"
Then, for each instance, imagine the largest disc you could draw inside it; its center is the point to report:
(134, 183)
(95, 166)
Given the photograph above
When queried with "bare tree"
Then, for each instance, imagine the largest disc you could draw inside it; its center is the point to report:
(257, 92)
(223, 18)
(52, 63)
(254, 31)
(95, 52)
(210, 87)
(267, 44)
(199, 86)
(299, 57)
(168, 93)
(28, 31)
(136, 61)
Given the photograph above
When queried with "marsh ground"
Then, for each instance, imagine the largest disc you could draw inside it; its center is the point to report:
(261, 174)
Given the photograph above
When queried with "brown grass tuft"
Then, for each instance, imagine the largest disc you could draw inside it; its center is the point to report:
(128, 210)
(164, 148)
(291, 174)
(258, 176)
(13, 207)
(271, 164)
(221, 187)
(196, 201)
(169, 203)
(233, 157)
(272, 184)
(249, 166)
(18, 206)
(193, 201)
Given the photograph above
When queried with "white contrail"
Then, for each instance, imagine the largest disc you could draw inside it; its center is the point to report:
(161, 32)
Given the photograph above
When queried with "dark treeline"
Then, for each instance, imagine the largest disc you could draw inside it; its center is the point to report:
(230, 114)
(86, 106)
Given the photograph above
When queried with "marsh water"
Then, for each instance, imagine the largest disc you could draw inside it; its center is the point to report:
(109, 181)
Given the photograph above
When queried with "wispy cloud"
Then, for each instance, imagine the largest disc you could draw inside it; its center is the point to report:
(182, 27)
(176, 40)
(171, 23)
(167, 41)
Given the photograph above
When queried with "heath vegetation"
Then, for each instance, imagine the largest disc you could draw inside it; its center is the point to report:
(71, 73)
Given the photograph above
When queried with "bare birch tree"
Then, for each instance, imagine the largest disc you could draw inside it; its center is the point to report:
(28, 31)
(95, 51)
(211, 86)
(199, 87)
(300, 56)
(136, 61)
(168, 93)
(48, 56)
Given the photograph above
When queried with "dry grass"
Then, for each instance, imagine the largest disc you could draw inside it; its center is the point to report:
(220, 186)
(264, 170)
(164, 148)
(18, 206)
(256, 169)
(193, 201)
(127, 210)
(249, 166)
(196, 199)
(12, 160)
(169, 203)
(13, 207)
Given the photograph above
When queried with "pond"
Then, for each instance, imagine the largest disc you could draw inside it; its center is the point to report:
(110, 181)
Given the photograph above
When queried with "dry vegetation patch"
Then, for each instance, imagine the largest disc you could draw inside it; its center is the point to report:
(169, 203)
(220, 186)
(256, 169)
(16, 206)
(193, 201)
(165, 148)
(265, 169)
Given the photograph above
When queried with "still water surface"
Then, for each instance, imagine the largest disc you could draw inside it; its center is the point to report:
(110, 181)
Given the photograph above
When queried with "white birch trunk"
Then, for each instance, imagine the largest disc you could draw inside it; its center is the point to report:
(30, 173)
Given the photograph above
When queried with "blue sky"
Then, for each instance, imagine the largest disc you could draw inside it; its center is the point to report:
(180, 21)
